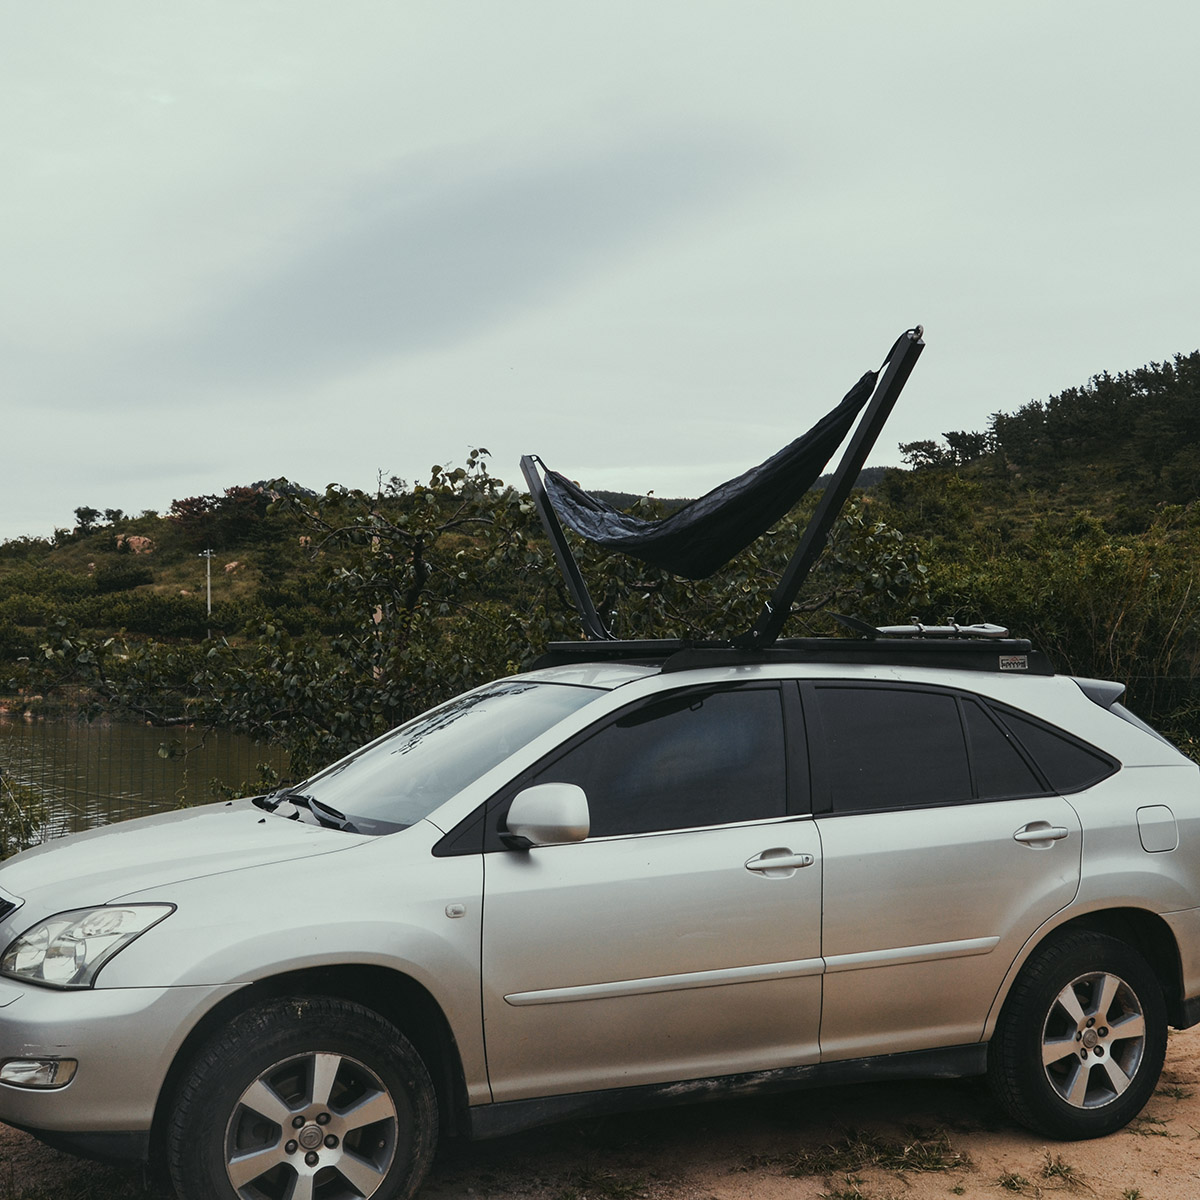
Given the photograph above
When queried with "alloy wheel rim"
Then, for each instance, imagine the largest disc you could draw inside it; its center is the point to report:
(1093, 1040)
(316, 1126)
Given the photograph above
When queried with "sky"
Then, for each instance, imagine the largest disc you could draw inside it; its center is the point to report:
(650, 241)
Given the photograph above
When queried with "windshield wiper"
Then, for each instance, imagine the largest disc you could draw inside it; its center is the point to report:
(328, 817)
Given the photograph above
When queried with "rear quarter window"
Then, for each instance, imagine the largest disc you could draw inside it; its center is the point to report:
(1068, 764)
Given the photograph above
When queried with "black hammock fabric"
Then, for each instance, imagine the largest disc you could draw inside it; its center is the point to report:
(703, 535)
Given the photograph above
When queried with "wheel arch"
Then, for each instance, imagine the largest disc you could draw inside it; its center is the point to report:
(391, 994)
(1145, 931)
(1152, 938)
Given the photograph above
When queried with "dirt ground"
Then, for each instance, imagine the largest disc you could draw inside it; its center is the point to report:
(895, 1141)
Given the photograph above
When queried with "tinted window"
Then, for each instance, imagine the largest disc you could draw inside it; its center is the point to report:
(1000, 770)
(1067, 764)
(693, 759)
(892, 748)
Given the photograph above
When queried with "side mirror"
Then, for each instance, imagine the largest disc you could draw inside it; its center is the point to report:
(548, 814)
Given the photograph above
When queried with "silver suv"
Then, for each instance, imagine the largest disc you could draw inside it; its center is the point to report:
(628, 878)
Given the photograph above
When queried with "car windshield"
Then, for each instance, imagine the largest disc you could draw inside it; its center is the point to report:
(403, 776)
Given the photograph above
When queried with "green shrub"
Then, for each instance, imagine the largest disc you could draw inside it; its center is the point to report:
(122, 575)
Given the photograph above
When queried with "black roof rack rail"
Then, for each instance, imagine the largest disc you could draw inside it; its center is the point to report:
(1000, 655)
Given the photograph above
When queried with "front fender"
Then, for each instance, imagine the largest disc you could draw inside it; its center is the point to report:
(390, 905)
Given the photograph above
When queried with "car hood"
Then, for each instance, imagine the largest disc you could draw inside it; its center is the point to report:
(117, 860)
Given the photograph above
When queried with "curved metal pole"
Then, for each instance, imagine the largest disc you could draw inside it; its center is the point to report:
(593, 626)
(901, 360)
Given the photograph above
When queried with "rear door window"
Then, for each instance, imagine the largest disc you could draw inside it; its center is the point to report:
(886, 748)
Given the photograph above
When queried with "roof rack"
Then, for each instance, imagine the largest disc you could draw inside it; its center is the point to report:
(765, 632)
(1002, 655)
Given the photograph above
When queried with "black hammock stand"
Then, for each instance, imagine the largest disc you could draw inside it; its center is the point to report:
(698, 539)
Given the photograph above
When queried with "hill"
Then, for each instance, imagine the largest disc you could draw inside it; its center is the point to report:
(1119, 447)
(1072, 520)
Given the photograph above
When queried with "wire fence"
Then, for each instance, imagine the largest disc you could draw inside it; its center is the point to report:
(60, 774)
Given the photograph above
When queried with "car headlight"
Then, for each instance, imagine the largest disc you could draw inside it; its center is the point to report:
(67, 950)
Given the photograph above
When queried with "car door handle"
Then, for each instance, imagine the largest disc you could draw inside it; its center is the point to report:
(779, 860)
(1040, 833)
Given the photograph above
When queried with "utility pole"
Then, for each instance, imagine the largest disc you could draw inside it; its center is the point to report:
(207, 555)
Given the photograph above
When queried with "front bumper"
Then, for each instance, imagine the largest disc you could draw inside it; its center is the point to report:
(124, 1040)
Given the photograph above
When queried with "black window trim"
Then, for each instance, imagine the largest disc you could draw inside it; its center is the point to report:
(480, 831)
(1011, 738)
(1114, 764)
(818, 753)
(821, 787)
(807, 779)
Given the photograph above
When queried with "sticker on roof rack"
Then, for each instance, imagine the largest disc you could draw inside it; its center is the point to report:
(1014, 662)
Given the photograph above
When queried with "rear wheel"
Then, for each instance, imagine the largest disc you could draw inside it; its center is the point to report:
(1080, 1041)
(304, 1099)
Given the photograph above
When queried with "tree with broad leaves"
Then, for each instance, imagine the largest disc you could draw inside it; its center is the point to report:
(86, 518)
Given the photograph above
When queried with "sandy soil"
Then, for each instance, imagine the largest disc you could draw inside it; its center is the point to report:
(798, 1147)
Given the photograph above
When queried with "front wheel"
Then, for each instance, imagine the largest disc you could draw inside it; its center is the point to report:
(1080, 1042)
(308, 1098)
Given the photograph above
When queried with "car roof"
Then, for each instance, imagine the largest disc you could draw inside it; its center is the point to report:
(592, 674)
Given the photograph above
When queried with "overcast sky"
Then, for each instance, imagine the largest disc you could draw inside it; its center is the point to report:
(649, 240)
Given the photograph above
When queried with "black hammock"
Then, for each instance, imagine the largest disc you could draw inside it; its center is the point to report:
(699, 538)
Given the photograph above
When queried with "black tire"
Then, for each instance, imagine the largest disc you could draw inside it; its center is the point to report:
(1081, 1038)
(305, 1097)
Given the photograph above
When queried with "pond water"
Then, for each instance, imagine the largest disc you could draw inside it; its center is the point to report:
(76, 774)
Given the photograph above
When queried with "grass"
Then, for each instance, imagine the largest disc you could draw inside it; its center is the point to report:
(29, 1171)
(852, 1191)
(21, 816)
(1147, 1126)
(857, 1151)
(1055, 1168)
(1010, 1181)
